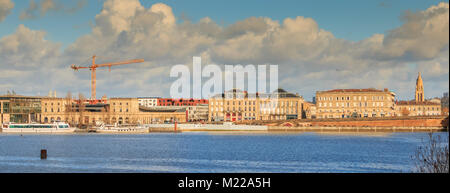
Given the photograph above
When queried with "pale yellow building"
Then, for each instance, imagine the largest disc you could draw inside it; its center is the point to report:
(309, 110)
(419, 106)
(413, 108)
(115, 110)
(346, 103)
(236, 105)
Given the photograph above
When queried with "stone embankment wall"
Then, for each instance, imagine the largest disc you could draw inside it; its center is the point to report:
(384, 123)
(422, 121)
(355, 129)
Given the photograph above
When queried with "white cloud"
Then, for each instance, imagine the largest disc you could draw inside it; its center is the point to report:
(27, 48)
(310, 58)
(423, 35)
(5, 8)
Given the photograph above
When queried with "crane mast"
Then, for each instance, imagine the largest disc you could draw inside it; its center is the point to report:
(93, 69)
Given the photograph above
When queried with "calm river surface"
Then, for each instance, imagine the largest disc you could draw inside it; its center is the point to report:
(211, 152)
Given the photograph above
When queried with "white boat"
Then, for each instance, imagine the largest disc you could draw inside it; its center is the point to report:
(55, 127)
(124, 128)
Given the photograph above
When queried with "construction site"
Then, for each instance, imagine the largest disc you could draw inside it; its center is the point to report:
(84, 112)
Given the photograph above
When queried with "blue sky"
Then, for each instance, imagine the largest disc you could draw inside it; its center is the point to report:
(349, 19)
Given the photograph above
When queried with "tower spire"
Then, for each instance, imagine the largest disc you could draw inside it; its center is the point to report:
(420, 97)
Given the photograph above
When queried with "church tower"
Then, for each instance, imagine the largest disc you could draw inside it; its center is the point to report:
(419, 89)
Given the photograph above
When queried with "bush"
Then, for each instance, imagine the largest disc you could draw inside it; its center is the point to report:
(432, 156)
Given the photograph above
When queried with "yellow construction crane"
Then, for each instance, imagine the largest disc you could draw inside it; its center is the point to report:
(94, 67)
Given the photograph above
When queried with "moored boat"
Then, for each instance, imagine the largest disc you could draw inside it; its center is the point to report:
(122, 128)
(55, 127)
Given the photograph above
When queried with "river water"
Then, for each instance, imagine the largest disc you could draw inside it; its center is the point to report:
(211, 152)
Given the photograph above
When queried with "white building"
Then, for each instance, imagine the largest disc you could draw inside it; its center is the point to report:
(148, 101)
(199, 112)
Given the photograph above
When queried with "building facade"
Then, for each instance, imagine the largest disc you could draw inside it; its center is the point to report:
(413, 108)
(181, 102)
(309, 110)
(346, 103)
(115, 110)
(197, 113)
(19, 109)
(236, 105)
(419, 106)
(148, 101)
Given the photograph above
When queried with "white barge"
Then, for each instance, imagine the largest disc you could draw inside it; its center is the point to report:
(124, 128)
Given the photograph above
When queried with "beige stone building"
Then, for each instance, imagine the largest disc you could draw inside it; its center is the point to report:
(309, 110)
(198, 112)
(419, 106)
(115, 110)
(346, 103)
(236, 105)
(413, 108)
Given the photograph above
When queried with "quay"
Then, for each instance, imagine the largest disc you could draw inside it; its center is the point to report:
(340, 129)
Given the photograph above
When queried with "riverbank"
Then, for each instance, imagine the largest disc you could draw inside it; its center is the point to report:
(277, 129)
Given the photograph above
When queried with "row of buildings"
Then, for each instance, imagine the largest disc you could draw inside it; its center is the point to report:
(233, 105)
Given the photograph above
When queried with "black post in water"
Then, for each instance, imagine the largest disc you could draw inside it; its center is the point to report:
(43, 154)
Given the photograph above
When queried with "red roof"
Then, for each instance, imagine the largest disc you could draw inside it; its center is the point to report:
(354, 90)
(416, 103)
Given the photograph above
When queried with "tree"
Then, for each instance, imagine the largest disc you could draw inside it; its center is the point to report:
(405, 112)
(81, 107)
(69, 107)
(432, 157)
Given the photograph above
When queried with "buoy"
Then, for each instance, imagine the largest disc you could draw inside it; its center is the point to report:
(43, 154)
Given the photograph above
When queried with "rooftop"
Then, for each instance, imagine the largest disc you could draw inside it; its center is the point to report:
(11, 96)
(355, 90)
(416, 103)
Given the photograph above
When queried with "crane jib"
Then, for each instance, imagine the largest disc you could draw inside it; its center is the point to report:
(94, 66)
